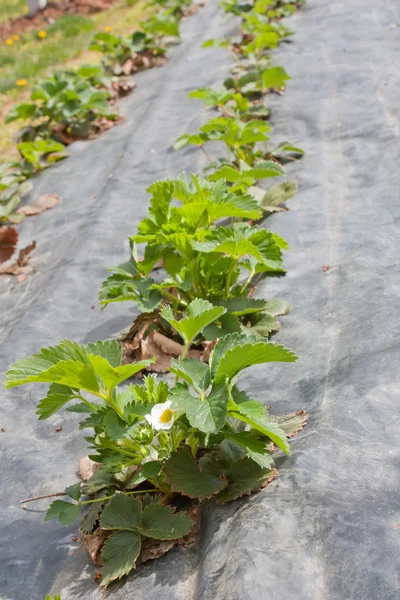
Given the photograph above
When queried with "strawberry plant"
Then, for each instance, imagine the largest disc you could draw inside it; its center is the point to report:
(159, 446)
(65, 106)
(139, 50)
(202, 260)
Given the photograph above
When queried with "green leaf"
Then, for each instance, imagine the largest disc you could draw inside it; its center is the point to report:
(236, 352)
(119, 555)
(255, 448)
(243, 476)
(275, 78)
(244, 306)
(251, 413)
(57, 396)
(194, 372)
(114, 426)
(91, 517)
(121, 512)
(113, 376)
(183, 473)
(159, 523)
(37, 363)
(278, 194)
(207, 414)
(111, 350)
(65, 512)
(264, 169)
(100, 480)
(264, 326)
(291, 423)
(74, 491)
(199, 314)
(277, 307)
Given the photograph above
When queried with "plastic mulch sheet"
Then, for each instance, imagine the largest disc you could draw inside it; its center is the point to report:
(329, 527)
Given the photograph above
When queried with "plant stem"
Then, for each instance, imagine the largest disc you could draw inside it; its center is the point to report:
(247, 282)
(89, 404)
(41, 497)
(229, 277)
(206, 153)
(126, 494)
(185, 350)
(174, 298)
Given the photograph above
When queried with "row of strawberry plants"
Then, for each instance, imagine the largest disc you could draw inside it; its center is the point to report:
(77, 104)
(159, 448)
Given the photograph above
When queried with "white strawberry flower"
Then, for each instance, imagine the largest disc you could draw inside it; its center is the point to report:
(161, 416)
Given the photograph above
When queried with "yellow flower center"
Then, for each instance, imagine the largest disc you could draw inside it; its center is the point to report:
(166, 416)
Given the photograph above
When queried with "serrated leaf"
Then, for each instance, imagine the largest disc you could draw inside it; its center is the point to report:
(244, 306)
(251, 413)
(91, 517)
(160, 523)
(291, 423)
(119, 555)
(194, 372)
(121, 512)
(98, 481)
(275, 78)
(32, 366)
(114, 426)
(264, 169)
(278, 194)
(199, 314)
(254, 447)
(277, 307)
(244, 476)
(74, 491)
(264, 326)
(183, 473)
(207, 414)
(65, 512)
(230, 356)
(110, 350)
(57, 396)
(113, 376)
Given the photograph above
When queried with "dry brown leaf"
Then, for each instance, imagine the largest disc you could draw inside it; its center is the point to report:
(93, 543)
(208, 347)
(127, 67)
(152, 549)
(45, 202)
(8, 242)
(149, 349)
(87, 467)
(168, 346)
(20, 265)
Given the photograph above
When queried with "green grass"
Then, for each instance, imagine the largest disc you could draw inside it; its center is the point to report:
(30, 56)
(65, 45)
(11, 9)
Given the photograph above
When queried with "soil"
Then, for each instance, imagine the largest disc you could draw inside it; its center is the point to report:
(48, 15)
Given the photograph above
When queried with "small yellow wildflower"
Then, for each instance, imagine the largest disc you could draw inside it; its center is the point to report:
(9, 42)
(42, 34)
(15, 38)
(107, 29)
(21, 82)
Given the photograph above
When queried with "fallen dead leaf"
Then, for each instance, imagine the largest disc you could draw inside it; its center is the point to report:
(20, 266)
(45, 202)
(93, 543)
(87, 467)
(8, 242)
(128, 67)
